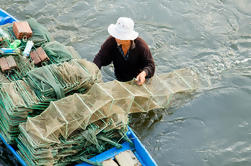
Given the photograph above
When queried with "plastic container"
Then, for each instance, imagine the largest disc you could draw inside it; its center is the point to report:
(27, 49)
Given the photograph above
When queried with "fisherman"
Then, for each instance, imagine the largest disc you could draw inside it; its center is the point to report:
(129, 53)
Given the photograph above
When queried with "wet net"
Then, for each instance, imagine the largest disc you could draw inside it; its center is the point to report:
(98, 118)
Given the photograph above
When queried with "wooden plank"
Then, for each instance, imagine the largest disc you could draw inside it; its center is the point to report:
(127, 158)
(109, 162)
(4, 64)
(11, 62)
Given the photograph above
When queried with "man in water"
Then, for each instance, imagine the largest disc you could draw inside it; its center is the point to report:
(129, 53)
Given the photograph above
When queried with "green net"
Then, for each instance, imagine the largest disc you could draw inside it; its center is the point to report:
(16, 101)
(80, 146)
(105, 106)
(55, 81)
(57, 52)
(59, 112)
(40, 34)
(3, 78)
(19, 99)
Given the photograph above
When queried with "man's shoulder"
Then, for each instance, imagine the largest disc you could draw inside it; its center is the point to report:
(110, 41)
(139, 40)
(140, 43)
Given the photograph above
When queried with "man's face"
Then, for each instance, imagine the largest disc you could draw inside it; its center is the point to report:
(123, 42)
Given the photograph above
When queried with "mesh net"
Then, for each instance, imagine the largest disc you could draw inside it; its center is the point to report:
(55, 81)
(57, 52)
(30, 96)
(105, 106)
(40, 34)
(51, 129)
(16, 101)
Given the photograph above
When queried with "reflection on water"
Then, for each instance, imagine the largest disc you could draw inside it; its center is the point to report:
(213, 37)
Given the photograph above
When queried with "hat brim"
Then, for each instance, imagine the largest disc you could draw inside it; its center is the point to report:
(121, 36)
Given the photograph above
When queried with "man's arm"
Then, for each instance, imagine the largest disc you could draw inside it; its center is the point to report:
(104, 57)
(149, 66)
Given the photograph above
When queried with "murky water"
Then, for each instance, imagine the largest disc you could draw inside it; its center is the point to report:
(211, 36)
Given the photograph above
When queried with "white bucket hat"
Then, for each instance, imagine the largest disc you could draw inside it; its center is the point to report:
(123, 29)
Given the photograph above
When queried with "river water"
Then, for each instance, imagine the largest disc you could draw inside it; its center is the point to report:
(213, 37)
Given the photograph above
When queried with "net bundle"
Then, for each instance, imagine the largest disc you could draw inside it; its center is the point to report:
(49, 138)
(56, 81)
(30, 96)
(17, 100)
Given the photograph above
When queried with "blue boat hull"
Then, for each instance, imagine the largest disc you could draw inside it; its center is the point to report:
(138, 148)
(6, 17)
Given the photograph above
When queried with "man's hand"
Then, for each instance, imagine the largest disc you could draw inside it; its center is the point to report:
(140, 79)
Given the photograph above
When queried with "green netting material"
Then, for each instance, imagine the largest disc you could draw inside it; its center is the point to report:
(106, 106)
(19, 99)
(58, 80)
(57, 52)
(16, 101)
(40, 34)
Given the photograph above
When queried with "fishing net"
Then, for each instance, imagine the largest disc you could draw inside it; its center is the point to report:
(40, 34)
(57, 52)
(3, 79)
(51, 129)
(25, 65)
(30, 96)
(17, 100)
(55, 81)
(103, 109)
(73, 52)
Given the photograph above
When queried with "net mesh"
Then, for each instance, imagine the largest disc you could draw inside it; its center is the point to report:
(16, 100)
(40, 34)
(56, 52)
(59, 112)
(55, 81)
(103, 109)
(30, 96)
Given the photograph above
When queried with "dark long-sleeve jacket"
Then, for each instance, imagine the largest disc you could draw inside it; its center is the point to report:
(139, 59)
